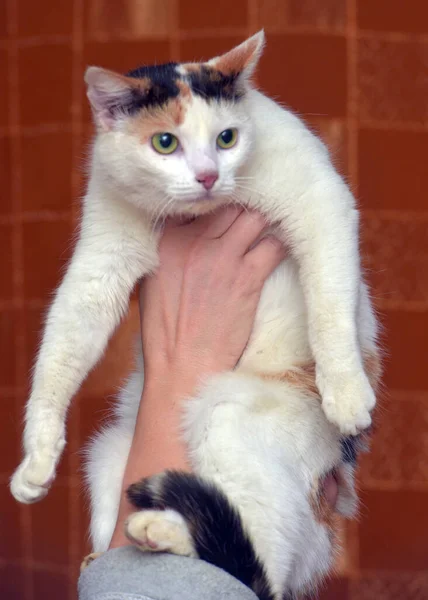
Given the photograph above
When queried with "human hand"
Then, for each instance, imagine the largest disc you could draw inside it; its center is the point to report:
(198, 308)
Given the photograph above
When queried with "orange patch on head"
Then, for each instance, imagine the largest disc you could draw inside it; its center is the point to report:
(147, 122)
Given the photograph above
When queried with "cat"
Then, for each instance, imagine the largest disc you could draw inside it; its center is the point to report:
(186, 139)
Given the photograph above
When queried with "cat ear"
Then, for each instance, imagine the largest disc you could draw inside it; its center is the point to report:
(111, 95)
(241, 60)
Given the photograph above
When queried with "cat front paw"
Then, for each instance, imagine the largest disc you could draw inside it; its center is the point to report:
(31, 481)
(160, 531)
(347, 400)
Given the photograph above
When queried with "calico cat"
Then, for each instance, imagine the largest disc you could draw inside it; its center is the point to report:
(186, 139)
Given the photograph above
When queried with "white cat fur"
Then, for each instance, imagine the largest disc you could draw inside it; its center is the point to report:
(278, 167)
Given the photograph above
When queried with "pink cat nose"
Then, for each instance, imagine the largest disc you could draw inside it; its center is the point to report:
(207, 179)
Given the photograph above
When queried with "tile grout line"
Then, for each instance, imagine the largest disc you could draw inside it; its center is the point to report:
(352, 534)
(75, 183)
(18, 272)
(174, 32)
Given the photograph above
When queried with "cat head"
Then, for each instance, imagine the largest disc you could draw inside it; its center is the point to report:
(174, 137)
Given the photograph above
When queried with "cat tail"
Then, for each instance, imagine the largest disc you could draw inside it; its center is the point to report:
(216, 527)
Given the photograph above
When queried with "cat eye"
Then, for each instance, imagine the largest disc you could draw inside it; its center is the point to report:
(227, 138)
(164, 143)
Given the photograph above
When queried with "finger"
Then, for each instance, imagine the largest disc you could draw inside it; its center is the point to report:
(215, 225)
(266, 256)
(245, 231)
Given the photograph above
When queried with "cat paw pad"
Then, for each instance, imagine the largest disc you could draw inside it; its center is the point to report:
(160, 531)
(347, 400)
(31, 481)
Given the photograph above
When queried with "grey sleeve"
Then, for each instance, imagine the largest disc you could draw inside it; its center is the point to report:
(128, 574)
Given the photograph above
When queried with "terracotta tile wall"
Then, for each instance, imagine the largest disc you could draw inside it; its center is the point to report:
(356, 70)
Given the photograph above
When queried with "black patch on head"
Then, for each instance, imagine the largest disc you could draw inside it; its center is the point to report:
(214, 85)
(163, 87)
(216, 526)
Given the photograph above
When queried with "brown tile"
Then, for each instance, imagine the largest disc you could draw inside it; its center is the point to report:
(395, 252)
(196, 49)
(47, 246)
(392, 80)
(405, 341)
(312, 77)
(46, 171)
(128, 18)
(393, 170)
(209, 15)
(11, 424)
(10, 526)
(6, 262)
(333, 132)
(335, 589)
(45, 84)
(8, 320)
(394, 530)
(328, 14)
(272, 14)
(3, 19)
(12, 582)
(117, 362)
(390, 586)
(33, 322)
(122, 57)
(50, 585)
(94, 411)
(47, 17)
(50, 527)
(4, 78)
(5, 175)
(399, 448)
(388, 15)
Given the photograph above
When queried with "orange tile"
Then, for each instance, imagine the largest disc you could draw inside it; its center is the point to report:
(45, 84)
(6, 262)
(46, 171)
(4, 78)
(123, 56)
(390, 586)
(335, 589)
(47, 246)
(312, 74)
(94, 412)
(399, 448)
(394, 530)
(128, 18)
(395, 252)
(48, 584)
(388, 15)
(272, 14)
(12, 582)
(33, 322)
(392, 80)
(208, 15)
(5, 175)
(50, 527)
(393, 169)
(3, 19)
(8, 320)
(406, 350)
(328, 14)
(203, 49)
(333, 132)
(46, 17)
(10, 526)
(11, 420)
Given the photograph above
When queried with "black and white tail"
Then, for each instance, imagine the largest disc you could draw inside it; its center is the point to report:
(215, 525)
